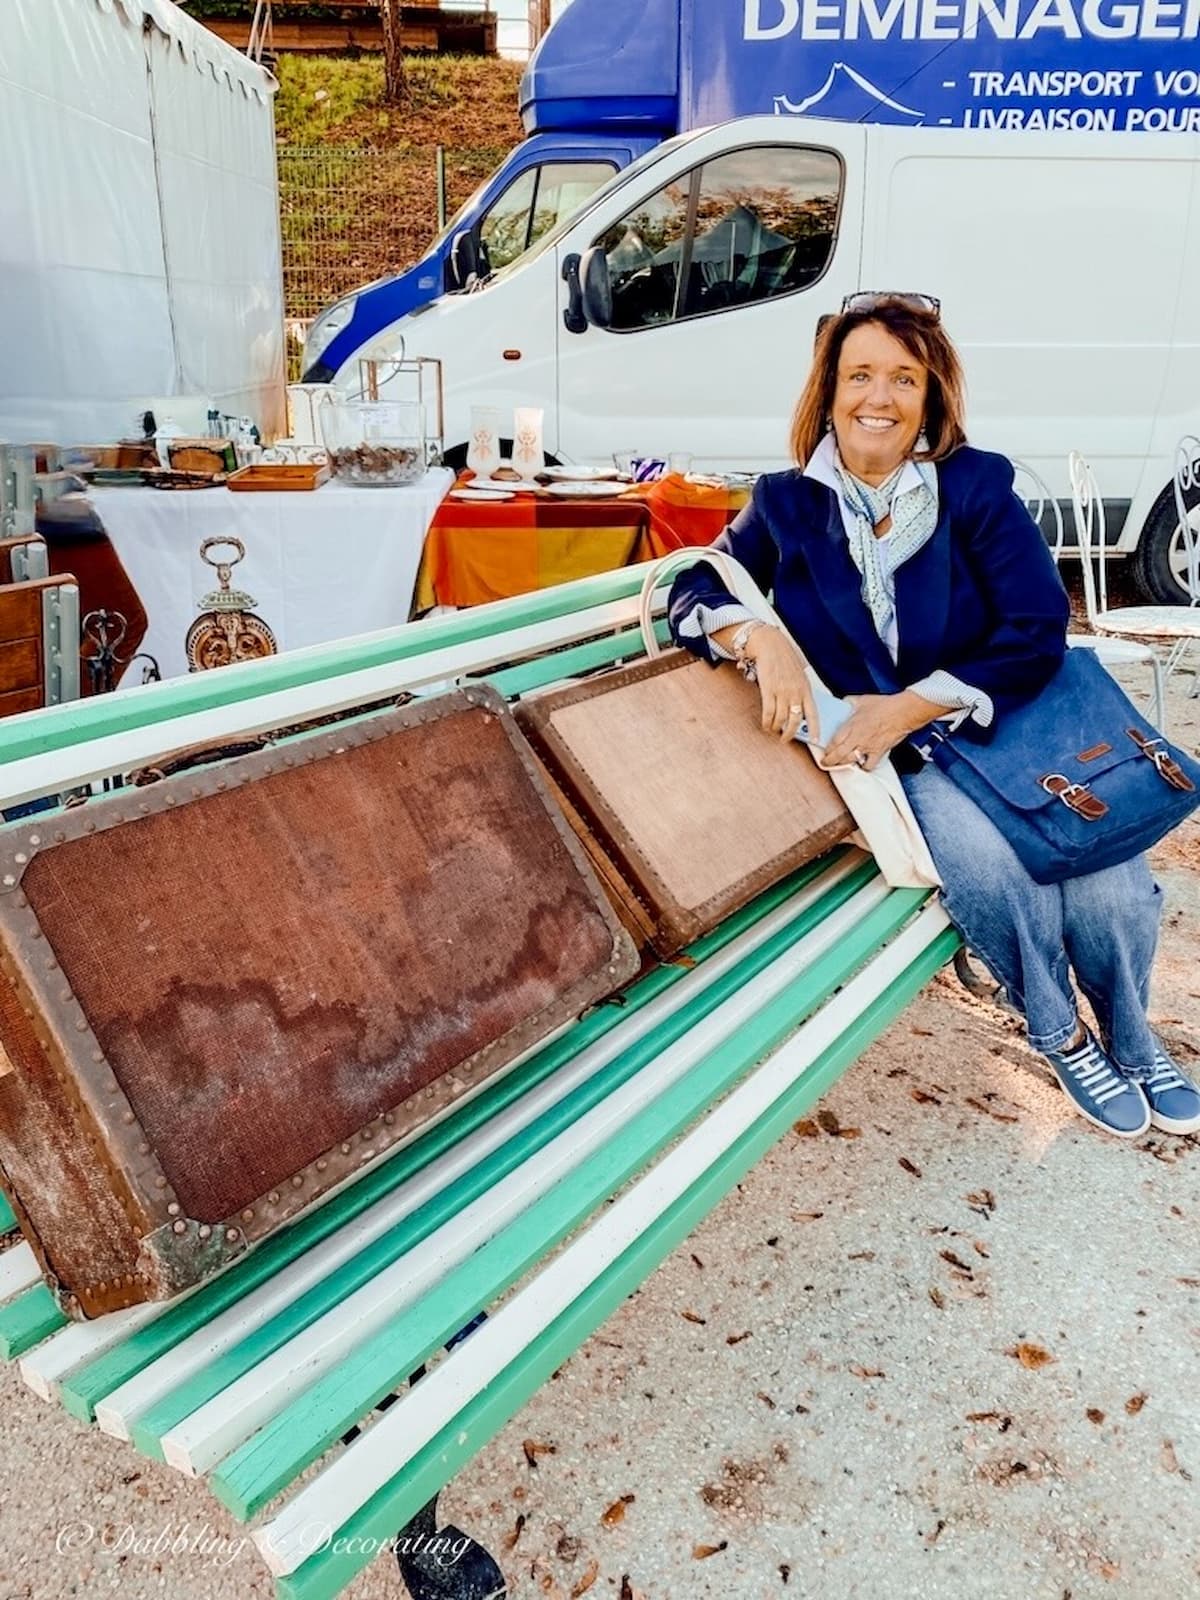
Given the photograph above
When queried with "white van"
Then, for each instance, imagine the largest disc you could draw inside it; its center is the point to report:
(677, 311)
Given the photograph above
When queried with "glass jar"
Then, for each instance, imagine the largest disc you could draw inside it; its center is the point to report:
(375, 443)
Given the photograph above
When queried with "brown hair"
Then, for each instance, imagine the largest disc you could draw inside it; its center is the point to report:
(922, 335)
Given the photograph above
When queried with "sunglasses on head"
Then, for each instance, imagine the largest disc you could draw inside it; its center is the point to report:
(870, 300)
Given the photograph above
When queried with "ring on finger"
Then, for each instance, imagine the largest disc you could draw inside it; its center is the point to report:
(860, 758)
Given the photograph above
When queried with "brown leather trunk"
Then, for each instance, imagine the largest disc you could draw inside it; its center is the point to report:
(222, 994)
(669, 776)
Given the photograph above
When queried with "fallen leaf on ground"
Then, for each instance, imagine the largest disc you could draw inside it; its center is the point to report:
(827, 1120)
(1167, 1458)
(1189, 1283)
(511, 1541)
(616, 1511)
(736, 1338)
(867, 1372)
(990, 1111)
(931, 1538)
(924, 1099)
(807, 1216)
(910, 1166)
(568, 1547)
(938, 1298)
(1031, 1356)
(862, 1255)
(694, 1316)
(981, 1250)
(765, 1398)
(1093, 1415)
(956, 1261)
(628, 1592)
(533, 1449)
(982, 1200)
(848, 1133)
(701, 1552)
(1135, 1403)
(927, 1033)
(586, 1582)
(697, 1260)
(806, 1128)
(987, 1416)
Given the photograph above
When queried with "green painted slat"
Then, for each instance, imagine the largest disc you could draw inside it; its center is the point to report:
(89, 1384)
(7, 1220)
(27, 1320)
(280, 1450)
(326, 1574)
(331, 1291)
(549, 669)
(60, 727)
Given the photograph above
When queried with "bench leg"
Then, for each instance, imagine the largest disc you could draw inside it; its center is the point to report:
(425, 1553)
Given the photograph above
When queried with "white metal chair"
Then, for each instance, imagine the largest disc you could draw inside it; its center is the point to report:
(1187, 506)
(1032, 488)
(1154, 624)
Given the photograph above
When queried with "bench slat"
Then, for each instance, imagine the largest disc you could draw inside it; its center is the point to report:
(297, 1436)
(27, 1320)
(363, 1495)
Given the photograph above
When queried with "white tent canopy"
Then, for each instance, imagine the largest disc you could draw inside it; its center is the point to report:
(139, 221)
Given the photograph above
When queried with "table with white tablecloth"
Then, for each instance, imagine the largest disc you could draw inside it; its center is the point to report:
(320, 565)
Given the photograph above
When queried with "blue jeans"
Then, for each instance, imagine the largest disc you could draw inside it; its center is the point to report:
(1029, 935)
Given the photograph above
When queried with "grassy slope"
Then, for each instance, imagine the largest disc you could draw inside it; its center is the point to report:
(349, 220)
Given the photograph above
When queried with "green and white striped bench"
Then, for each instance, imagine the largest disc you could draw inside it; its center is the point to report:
(505, 1205)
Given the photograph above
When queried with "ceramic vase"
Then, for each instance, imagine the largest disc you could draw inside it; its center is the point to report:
(483, 452)
(528, 455)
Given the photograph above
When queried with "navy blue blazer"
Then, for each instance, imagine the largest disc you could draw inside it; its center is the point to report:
(982, 599)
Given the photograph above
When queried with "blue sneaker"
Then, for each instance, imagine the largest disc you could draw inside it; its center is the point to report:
(1101, 1093)
(1174, 1098)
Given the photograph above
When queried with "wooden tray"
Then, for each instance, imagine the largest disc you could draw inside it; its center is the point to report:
(281, 476)
(668, 774)
(378, 919)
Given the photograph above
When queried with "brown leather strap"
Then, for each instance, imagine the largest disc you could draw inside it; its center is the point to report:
(1077, 796)
(198, 755)
(1165, 764)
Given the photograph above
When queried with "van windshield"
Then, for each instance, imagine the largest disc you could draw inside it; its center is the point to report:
(549, 239)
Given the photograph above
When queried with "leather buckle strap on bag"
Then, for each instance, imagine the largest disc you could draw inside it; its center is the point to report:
(1165, 764)
(1077, 796)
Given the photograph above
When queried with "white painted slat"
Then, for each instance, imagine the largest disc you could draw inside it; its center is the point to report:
(56, 770)
(345, 1486)
(18, 1271)
(120, 1409)
(45, 1367)
(229, 1418)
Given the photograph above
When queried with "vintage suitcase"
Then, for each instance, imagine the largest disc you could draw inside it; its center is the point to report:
(666, 767)
(221, 994)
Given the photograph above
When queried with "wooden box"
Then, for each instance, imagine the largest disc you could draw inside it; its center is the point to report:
(668, 775)
(222, 994)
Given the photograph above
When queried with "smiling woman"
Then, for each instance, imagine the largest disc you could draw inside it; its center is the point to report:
(911, 577)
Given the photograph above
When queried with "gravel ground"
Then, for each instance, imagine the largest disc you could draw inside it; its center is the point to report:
(941, 1344)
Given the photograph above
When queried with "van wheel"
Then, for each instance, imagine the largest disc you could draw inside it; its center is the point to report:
(1159, 564)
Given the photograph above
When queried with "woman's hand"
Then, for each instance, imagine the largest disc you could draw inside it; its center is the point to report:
(879, 723)
(787, 699)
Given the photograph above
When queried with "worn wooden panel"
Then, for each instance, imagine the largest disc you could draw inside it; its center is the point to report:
(667, 762)
(20, 664)
(21, 611)
(290, 957)
(17, 700)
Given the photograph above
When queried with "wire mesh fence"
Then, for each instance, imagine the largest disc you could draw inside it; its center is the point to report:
(350, 215)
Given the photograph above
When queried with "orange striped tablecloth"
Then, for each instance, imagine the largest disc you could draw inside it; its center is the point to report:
(475, 552)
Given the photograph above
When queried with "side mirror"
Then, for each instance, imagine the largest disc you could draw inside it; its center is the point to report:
(595, 285)
(463, 264)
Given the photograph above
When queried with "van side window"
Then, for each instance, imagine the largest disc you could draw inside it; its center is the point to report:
(537, 201)
(750, 225)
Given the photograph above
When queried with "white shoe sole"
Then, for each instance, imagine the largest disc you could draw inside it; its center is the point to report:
(1171, 1125)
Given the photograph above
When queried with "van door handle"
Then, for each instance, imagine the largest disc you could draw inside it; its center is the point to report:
(573, 318)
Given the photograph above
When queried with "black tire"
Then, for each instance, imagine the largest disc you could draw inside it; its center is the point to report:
(1156, 564)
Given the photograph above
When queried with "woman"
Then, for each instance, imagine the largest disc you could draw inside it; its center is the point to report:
(909, 574)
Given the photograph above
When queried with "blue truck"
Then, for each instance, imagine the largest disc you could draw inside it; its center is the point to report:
(614, 78)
